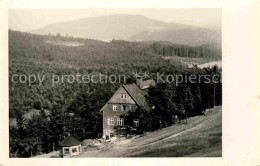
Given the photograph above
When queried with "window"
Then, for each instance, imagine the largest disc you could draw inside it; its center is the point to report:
(79, 148)
(74, 150)
(123, 96)
(114, 107)
(136, 122)
(110, 121)
(120, 121)
(132, 108)
(66, 151)
(111, 134)
(123, 107)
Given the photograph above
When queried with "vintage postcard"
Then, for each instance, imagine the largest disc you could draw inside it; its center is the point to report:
(115, 83)
(122, 83)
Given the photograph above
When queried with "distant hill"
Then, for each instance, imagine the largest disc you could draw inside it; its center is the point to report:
(187, 36)
(133, 28)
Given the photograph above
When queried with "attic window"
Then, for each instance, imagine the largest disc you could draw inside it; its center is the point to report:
(114, 107)
(123, 107)
(123, 96)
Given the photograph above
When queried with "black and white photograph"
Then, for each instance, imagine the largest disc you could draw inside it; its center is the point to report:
(115, 83)
(123, 83)
(129, 83)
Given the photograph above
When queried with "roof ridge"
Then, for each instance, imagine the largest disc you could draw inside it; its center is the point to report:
(132, 95)
(69, 141)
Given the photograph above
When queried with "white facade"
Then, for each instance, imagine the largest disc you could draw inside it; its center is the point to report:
(71, 151)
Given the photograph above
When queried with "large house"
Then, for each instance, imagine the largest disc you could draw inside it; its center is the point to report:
(126, 98)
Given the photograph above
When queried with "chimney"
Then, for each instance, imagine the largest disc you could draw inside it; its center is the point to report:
(139, 81)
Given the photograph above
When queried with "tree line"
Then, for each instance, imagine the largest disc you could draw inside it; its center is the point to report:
(74, 108)
(203, 51)
(170, 104)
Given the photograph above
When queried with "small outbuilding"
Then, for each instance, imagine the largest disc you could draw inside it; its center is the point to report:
(70, 146)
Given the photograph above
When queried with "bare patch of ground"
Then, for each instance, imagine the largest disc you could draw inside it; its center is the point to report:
(211, 64)
(65, 43)
(190, 62)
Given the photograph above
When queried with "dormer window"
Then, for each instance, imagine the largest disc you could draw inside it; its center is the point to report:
(123, 96)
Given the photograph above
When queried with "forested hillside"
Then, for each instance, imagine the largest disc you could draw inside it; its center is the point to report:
(74, 107)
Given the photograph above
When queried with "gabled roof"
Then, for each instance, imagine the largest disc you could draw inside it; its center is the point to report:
(109, 99)
(69, 141)
(137, 94)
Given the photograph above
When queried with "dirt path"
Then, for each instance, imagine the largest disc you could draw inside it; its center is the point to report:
(165, 138)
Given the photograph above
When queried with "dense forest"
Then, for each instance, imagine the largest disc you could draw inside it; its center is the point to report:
(74, 108)
(204, 51)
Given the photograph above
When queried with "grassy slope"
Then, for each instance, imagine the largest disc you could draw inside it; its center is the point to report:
(201, 137)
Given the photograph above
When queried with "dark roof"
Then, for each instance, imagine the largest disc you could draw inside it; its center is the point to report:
(147, 83)
(69, 141)
(137, 94)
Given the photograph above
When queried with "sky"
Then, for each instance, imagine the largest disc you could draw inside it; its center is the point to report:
(29, 19)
